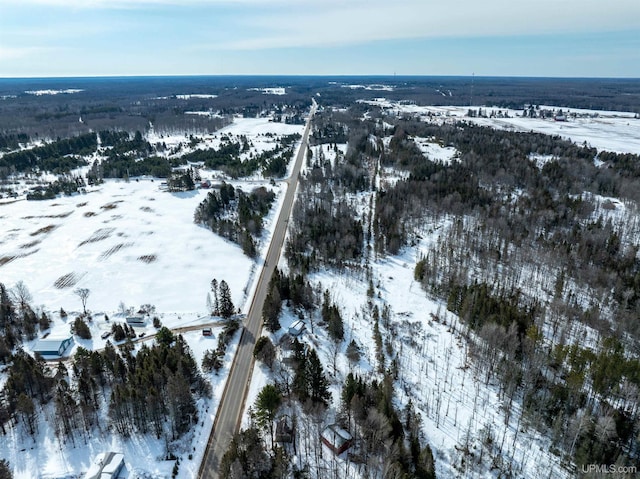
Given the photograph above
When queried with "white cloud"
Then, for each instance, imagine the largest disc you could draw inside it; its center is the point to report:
(325, 23)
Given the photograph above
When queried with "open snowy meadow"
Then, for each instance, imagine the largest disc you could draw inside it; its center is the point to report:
(130, 243)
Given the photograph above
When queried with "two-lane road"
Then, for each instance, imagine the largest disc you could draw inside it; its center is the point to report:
(229, 415)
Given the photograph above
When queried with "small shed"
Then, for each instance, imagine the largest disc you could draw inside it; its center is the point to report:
(137, 320)
(53, 346)
(106, 465)
(297, 328)
(114, 466)
(284, 432)
(336, 438)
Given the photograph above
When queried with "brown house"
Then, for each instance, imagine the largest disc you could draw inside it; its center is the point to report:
(336, 439)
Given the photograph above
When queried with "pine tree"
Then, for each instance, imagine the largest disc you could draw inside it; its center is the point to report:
(5, 470)
(331, 316)
(27, 411)
(81, 329)
(271, 310)
(267, 405)
(226, 304)
(248, 245)
(216, 300)
(310, 381)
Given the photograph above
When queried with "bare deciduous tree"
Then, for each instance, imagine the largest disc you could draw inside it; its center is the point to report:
(21, 294)
(83, 294)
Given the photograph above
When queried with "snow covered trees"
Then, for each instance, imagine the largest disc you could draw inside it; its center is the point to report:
(222, 303)
(266, 407)
(310, 381)
(226, 304)
(236, 215)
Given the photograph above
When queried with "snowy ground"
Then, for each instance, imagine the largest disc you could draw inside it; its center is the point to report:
(604, 130)
(262, 134)
(435, 372)
(128, 242)
(464, 417)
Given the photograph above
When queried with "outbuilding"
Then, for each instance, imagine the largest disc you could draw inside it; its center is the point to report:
(106, 465)
(336, 438)
(53, 346)
(297, 328)
(137, 320)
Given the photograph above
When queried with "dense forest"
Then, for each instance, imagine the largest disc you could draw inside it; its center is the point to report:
(537, 253)
(236, 215)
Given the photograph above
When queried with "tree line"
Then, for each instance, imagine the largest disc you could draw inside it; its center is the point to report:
(236, 215)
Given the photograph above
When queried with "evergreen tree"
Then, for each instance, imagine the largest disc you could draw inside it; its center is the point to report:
(318, 383)
(80, 328)
(212, 361)
(267, 405)
(265, 351)
(331, 316)
(164, 336)
(45, 322)
(271, 310)
(216, 299)
(27, 411)
(248, 245)
(5, 470)
(309, 381)
(226, 304)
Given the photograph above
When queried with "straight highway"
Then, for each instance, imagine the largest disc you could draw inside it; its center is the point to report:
(229, 414)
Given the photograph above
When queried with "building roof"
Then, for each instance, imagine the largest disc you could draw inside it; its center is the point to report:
(105, 465)
(336, 436)
(297, 327)
(51, 344)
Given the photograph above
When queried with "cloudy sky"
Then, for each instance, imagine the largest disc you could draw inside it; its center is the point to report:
(574, 38)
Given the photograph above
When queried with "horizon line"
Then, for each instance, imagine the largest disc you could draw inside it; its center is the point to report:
(311, 75)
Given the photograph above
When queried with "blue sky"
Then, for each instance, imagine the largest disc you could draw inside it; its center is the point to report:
(572, 38)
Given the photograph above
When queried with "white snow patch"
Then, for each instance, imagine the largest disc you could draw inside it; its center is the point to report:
(271, 90)
(68, 91)
(436, 152)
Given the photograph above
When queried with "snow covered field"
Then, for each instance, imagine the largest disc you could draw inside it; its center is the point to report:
(604, 130)
(126, 242)
(133, 243)
(262, 134)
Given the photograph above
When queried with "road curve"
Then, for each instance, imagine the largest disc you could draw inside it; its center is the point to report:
(229, 414)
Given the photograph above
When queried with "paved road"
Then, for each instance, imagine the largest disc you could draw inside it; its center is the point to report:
(229, 415)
